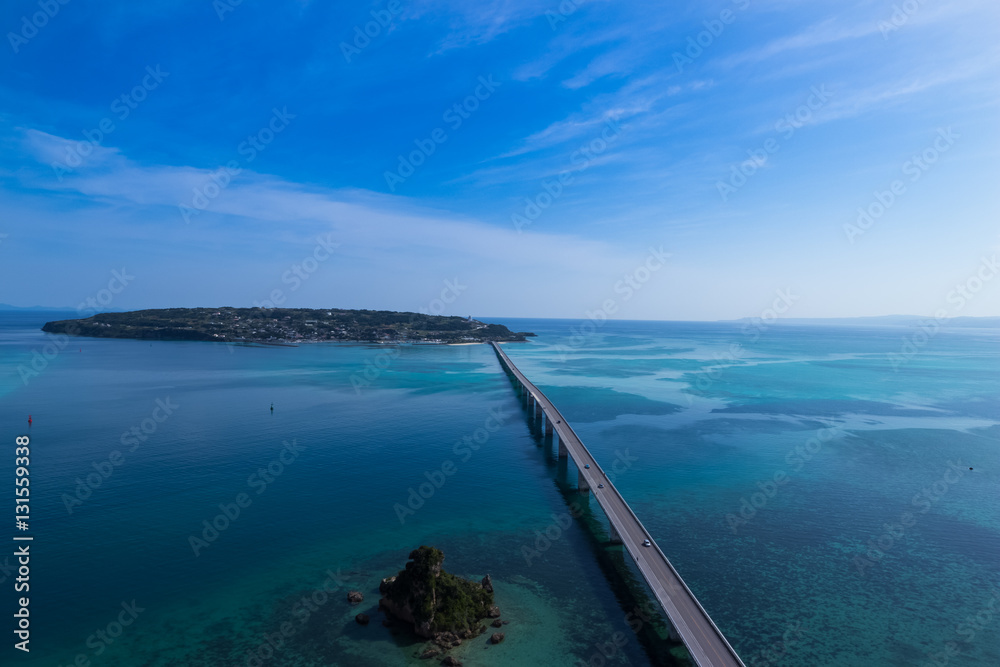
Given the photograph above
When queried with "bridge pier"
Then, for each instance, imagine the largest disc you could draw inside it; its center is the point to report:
(705, 642)
(548, 427)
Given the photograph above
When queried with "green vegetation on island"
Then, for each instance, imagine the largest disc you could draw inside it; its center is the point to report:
(284, 326)
(439, 605)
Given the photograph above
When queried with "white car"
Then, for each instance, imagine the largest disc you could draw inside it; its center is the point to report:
(647, 543)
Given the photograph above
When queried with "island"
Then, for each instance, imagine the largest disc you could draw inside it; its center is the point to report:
(438, 605)
(285, 326)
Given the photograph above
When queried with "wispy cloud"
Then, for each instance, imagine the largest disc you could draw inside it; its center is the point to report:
(824, 33)
(474, 24)
(612, 63)
(360, 217)
(882, 97)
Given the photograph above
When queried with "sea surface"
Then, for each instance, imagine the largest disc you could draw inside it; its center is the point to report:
(829, 504)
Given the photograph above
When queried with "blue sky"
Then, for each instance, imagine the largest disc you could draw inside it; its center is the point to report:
(210, 149)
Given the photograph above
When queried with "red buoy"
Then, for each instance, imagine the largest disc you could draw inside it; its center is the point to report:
(29, 420)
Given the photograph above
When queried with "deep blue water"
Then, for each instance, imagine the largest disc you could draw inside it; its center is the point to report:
(864, 537)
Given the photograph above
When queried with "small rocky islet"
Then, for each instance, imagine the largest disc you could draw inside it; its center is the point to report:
(438, 606)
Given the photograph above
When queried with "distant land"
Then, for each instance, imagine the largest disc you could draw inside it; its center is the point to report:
(61, 309)
(279, 326)
(885, 320)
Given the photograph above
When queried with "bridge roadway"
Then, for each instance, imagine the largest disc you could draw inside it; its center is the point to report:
(700, 635)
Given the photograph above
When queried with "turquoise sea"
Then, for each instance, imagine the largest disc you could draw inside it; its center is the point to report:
(826, 507)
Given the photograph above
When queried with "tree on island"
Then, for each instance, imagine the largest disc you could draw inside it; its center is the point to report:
(434, 601)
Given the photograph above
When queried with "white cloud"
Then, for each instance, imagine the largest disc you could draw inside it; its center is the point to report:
(473, 24)
(825, 32)
(50, 149)
(360, 218)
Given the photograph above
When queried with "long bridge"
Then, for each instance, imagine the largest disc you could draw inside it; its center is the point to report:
(703, 639)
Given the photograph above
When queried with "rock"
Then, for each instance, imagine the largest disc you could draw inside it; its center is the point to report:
(386, 623)
(497, 623)
(445, 639)
(493, 612)
(487, 584)
(496, 637)
(506, 622)
(362, 619)
(451, 661)
(433, 601)
(430, 653)
(354, 597)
